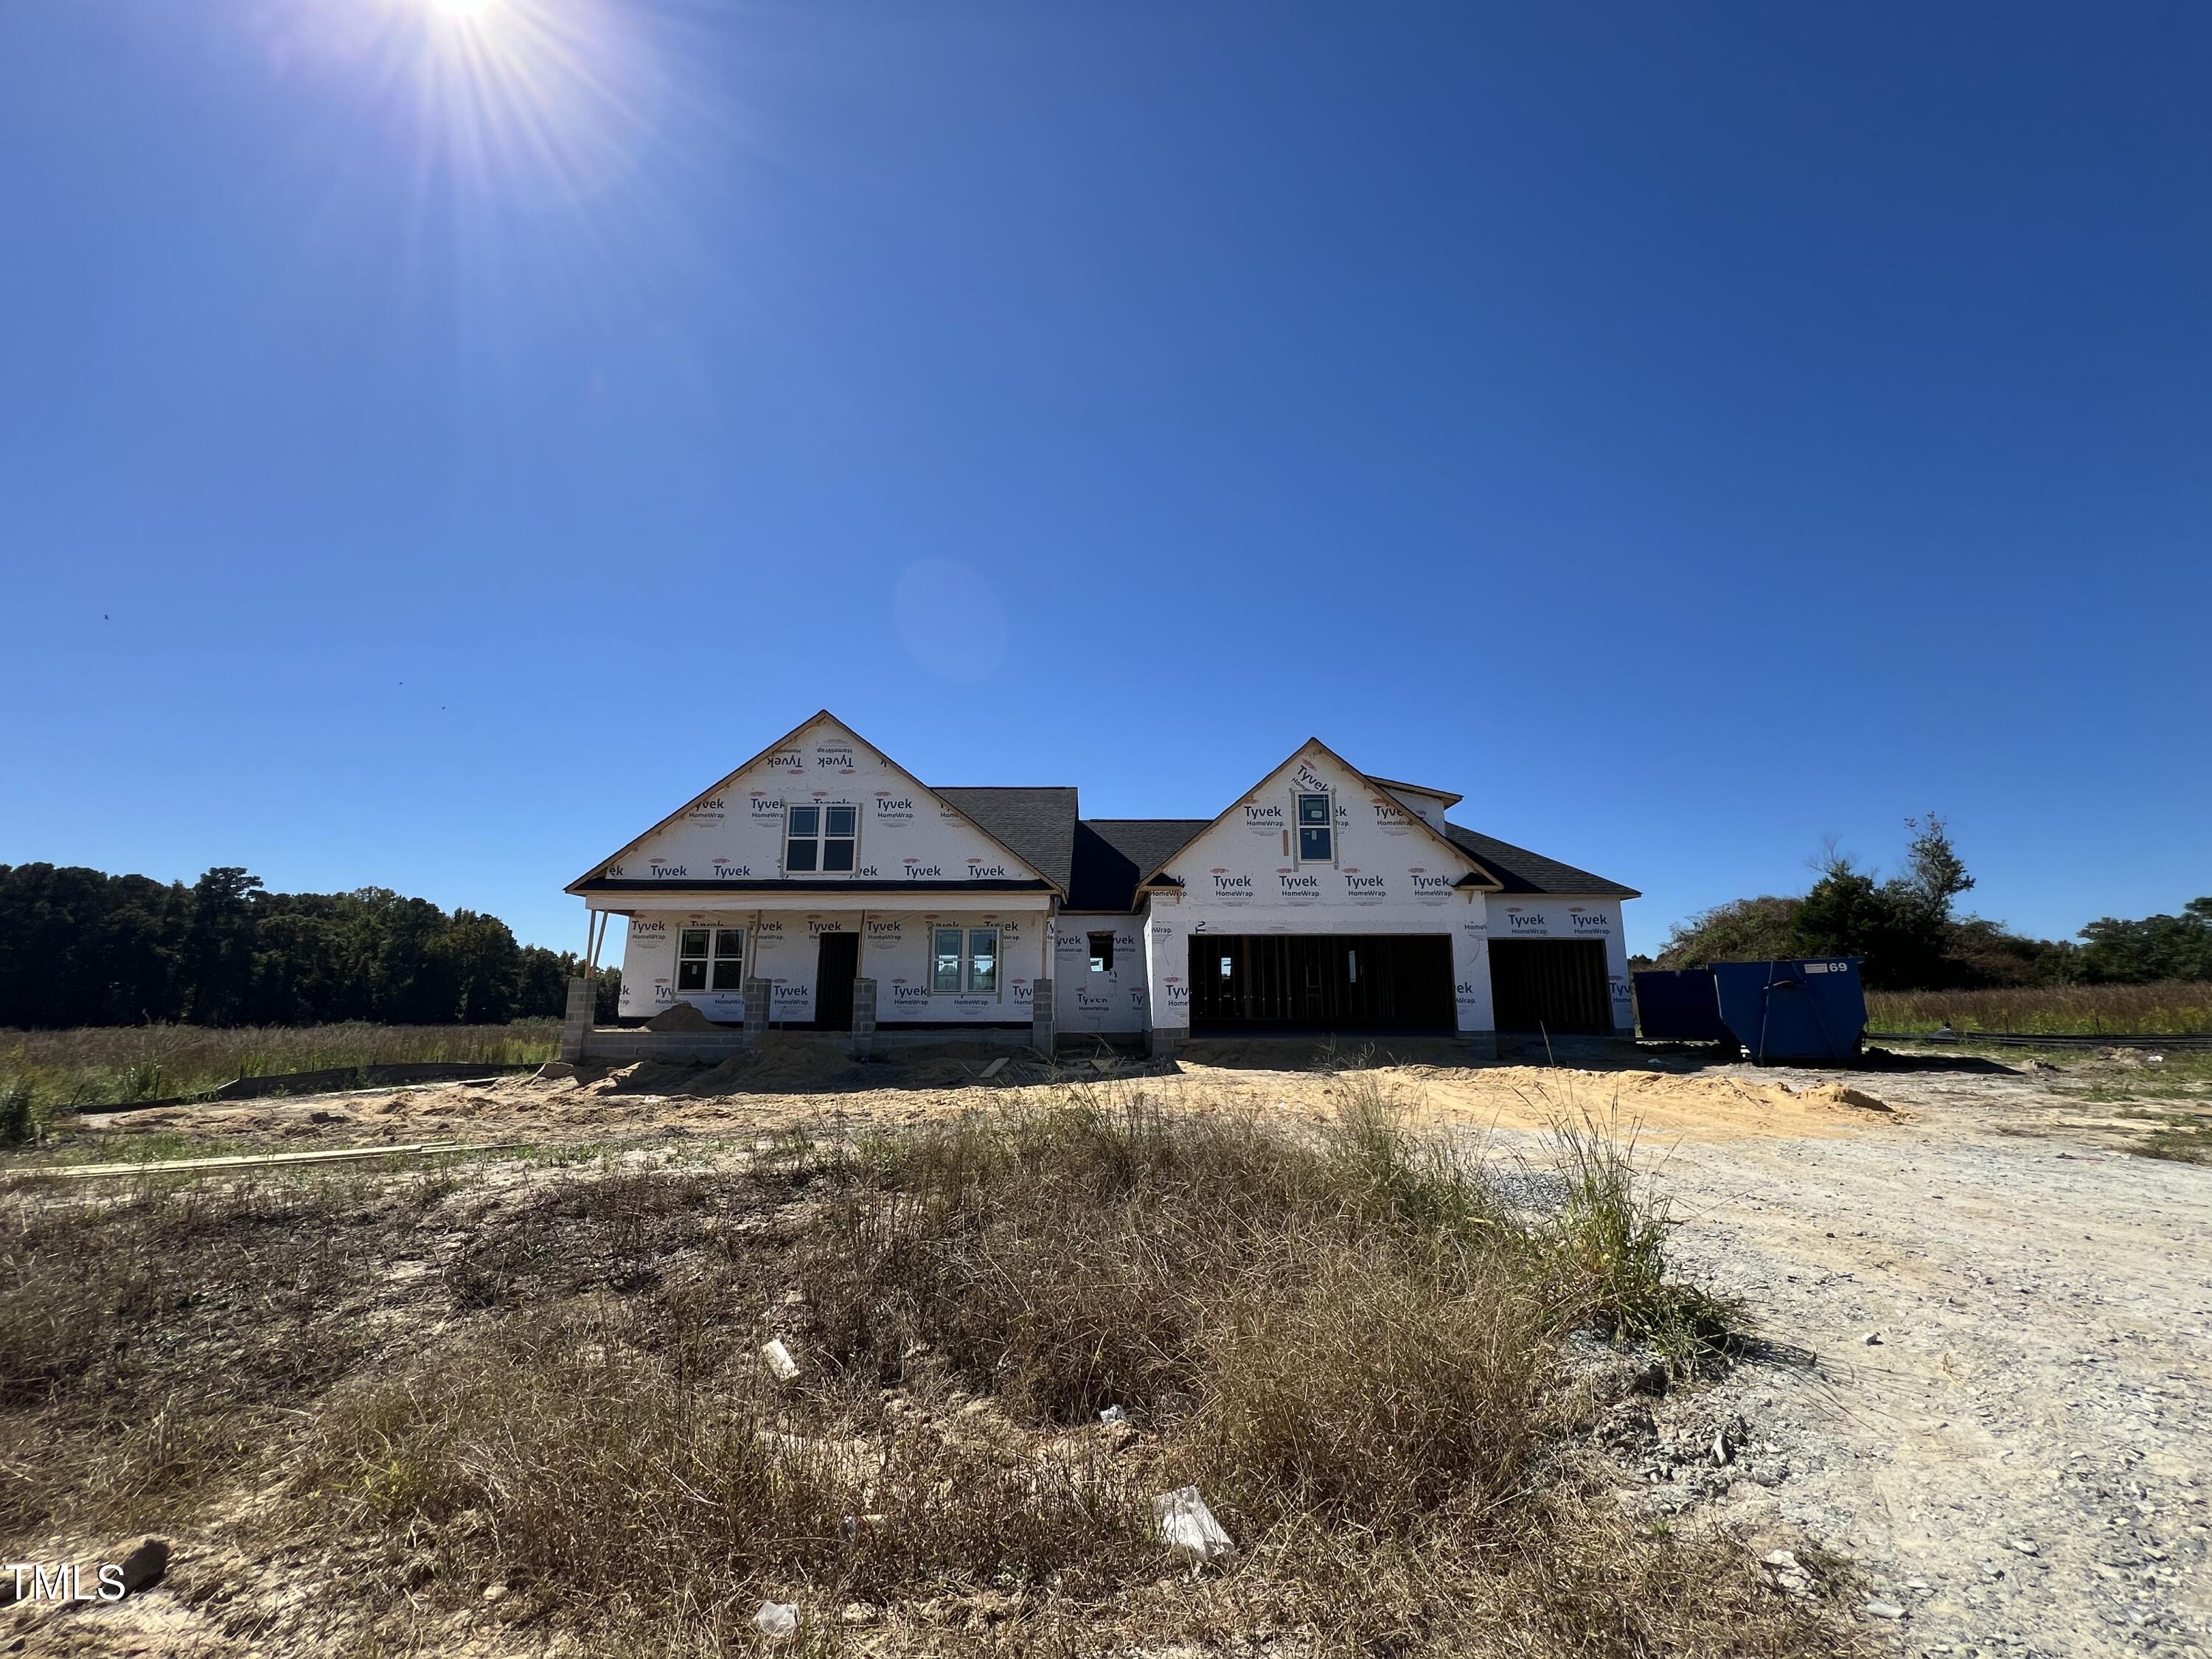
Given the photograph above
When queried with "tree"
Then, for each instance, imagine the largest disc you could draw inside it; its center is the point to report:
(2157, 947)
(79, 947)
(1935, 874)
(1742, 930)
(219, 949)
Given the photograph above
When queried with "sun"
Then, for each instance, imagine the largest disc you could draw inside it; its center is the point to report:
(463, 11)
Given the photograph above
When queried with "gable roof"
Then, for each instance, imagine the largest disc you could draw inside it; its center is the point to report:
(1037, 823)
(1520, 870)
(1488, 881)
(1113, 854)
(591, 881)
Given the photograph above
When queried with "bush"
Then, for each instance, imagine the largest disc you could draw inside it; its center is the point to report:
(18, 1119)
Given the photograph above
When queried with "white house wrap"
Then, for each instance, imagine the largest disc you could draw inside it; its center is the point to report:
(1322, 899)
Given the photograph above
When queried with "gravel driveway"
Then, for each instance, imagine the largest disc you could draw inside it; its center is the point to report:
(2021, 1463)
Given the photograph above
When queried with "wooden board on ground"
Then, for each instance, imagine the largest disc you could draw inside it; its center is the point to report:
(253, 1160)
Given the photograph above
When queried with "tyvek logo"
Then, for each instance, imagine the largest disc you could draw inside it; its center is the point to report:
(904, 996)
(1023, 996)
(1426, 885)
(1586, 921)
(1178, 993)
(1391, 816)
(662, 871)
(815, 928)
(645, 930)
(893, 809)
(612, 873)
(786, 760)
(764, 808)
(918, 872)
(1263, 818)
(979, 871)
(1520, 921)
(725, 871)
(1361, 886)
(1309, 779)
(1225, 884)
(833, 758)
(1092, 1002)
(885, 933)
(1296, 886)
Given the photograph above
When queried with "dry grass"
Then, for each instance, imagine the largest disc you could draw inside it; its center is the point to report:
(105, 1064)
(1349, 1339)
(2164, 1009)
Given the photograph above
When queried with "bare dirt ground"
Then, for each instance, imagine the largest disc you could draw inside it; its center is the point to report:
(1985, 1328)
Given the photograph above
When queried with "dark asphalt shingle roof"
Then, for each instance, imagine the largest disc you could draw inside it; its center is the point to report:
(1038, 823)
(1112, 855)
(1524, 871)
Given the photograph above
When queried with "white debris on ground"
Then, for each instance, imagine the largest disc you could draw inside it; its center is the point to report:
(1188, 1527)
(777, 1620)
(780, 1361)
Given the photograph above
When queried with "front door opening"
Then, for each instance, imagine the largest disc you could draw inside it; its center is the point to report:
(835, 966)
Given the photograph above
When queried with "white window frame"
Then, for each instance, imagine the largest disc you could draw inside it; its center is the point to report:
(821, 839)
(966, 972)
(1299, 826)
(713, 957)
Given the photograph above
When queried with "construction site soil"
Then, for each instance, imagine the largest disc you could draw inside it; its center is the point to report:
(1982, 1328)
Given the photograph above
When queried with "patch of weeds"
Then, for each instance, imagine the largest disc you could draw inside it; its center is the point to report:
(21, 1121)
(2183, 1138)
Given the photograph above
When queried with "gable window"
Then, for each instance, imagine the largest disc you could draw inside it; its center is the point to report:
(824, 838)
(1317, 830)
(1102, 953)
(710, 957)
(964, 959)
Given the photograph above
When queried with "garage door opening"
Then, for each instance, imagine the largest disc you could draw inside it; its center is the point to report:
(1321, 981)
(1549, 985)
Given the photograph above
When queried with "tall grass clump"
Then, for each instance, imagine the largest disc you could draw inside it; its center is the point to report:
(19, 1118)
(2166, 1008)
(107, 1065)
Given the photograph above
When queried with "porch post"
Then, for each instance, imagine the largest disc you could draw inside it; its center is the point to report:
(576, 1029)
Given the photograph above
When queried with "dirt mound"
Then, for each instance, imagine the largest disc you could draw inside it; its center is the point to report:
(683, 1016)
(1841, 1094)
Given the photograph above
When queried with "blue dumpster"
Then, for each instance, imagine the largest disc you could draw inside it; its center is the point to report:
(1809, 1010)
(1681, 1004)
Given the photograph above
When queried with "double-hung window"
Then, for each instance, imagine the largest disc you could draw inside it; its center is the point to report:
(710, 958)
(824, 838)
(964, 959)
(1317, 830)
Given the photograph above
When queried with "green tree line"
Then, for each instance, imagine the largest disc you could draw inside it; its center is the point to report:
(80, 947)
(1907, 929)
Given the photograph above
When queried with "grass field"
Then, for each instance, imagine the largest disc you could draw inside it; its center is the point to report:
(2059, 1009)
(99, 1065)
(486, 1401)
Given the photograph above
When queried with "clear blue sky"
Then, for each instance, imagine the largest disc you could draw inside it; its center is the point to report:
(432, 447)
